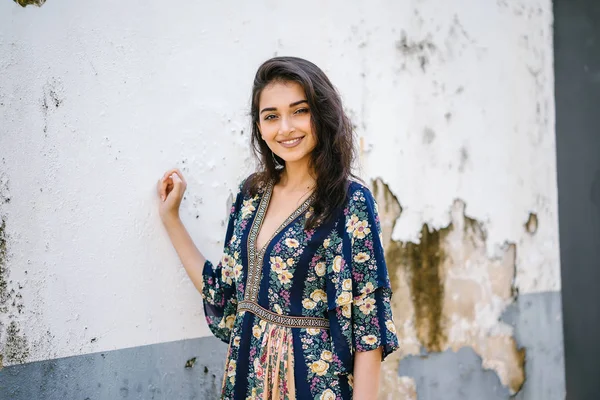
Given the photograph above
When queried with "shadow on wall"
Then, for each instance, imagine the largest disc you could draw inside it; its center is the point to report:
(448, 295)
(25, 3)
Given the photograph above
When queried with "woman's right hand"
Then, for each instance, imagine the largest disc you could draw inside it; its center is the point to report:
(170, 189)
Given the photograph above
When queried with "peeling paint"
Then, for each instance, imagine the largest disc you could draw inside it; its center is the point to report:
(191, 362)
(448, 294)
(531, 225)
(25, 3)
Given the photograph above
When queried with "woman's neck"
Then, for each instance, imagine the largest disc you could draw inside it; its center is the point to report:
(297, 176)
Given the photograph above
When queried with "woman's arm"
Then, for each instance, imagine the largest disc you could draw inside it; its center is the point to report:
(170, 190)
(367, 367)
(191, 258)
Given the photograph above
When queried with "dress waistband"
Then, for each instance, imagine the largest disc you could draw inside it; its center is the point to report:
(283, 320)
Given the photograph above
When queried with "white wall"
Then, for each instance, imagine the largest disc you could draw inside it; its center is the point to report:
(98, 98)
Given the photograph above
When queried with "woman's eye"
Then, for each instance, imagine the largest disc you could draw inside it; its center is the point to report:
(301, 110)
(270, 117)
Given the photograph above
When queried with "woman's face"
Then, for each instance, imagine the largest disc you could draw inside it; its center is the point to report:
(284, 121)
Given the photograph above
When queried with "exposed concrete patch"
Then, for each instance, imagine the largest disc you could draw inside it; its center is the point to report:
(117, 374)
(448, 294)
(25, 3)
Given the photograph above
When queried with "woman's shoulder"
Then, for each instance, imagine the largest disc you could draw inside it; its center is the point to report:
(251, 187)
(358, 199)
(358, 192)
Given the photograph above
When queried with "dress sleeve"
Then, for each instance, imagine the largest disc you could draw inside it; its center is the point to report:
(372, 321)
(218, 287)
(358, 288)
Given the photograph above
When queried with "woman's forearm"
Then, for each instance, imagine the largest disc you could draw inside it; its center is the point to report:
(191, 258)
(367, 368)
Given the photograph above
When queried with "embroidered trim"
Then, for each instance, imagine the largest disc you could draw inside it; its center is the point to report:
(256, 258)
(283, 320)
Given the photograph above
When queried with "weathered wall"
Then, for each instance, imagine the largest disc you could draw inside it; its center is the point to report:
(453, 105)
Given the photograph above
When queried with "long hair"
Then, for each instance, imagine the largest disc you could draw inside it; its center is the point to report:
(334, 151)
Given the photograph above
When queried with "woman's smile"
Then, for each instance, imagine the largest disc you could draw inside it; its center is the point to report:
(289, 143)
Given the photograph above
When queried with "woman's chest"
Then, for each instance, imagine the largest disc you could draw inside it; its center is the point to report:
(288, 270)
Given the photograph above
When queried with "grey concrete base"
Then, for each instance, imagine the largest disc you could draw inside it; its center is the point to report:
(158, 371)
(538, 323)
(146, 372)
(453, 376)
(459, 376)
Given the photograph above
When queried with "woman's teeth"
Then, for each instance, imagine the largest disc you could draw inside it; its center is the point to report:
(291, 142)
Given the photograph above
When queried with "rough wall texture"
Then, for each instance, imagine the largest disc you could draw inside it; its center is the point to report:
(453, 107)
(448, 294)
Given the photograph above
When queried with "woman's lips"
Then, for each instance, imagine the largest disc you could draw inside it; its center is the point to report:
(291, 142)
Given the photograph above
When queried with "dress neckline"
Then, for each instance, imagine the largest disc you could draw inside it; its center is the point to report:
(262, 212)
(256, 256)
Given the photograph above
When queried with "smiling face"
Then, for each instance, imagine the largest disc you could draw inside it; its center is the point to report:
(284, 121)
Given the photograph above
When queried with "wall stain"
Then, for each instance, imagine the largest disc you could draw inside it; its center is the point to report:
(4, 293)
(25, 3)
(422, 50)
(16, 349)
(464, 158)
(422, 263)
(51, 99)
(448, 294)
(428, 135)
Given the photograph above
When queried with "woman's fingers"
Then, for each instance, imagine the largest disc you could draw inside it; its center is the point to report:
(178, 184)
(161, 187)
(171, 172)
(171, 180)
(180, 175)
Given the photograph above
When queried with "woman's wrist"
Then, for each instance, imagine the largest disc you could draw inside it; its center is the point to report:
(171, 220)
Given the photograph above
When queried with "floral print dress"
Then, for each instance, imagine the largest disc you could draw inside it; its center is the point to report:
(295, 311)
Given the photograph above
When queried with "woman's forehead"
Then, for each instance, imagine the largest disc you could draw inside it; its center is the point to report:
(281, 93)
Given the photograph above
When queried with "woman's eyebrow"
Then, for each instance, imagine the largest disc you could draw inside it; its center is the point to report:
(291, 105)
(298, 102)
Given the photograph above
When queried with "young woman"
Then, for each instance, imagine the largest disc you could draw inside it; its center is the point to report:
(301, 294)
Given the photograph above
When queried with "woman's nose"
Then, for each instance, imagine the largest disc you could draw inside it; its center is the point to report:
(286, 126)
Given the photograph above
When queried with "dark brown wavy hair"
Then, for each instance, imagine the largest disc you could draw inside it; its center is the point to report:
(334, 152)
